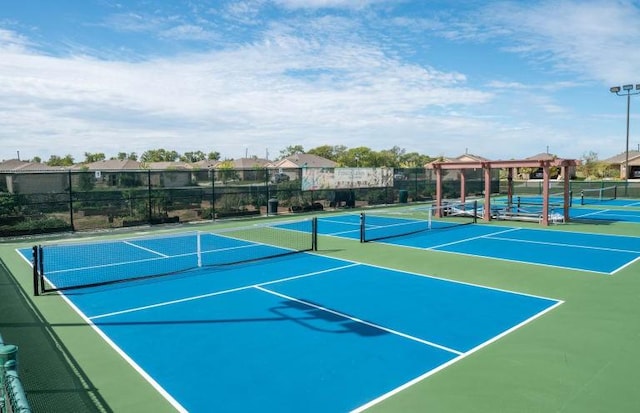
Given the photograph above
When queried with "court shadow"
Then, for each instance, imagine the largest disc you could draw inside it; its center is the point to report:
(52, 379)
(319, 318)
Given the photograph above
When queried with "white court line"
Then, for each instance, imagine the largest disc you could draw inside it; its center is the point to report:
(492, 257)
(622, 267)
(603, 211)
(145, 249)
(558, 244)
(452, 361)
(333, 221)
(357, 320)
(471, 239)
(198, 297)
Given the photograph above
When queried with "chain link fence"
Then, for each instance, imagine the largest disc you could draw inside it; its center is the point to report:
(82, 200)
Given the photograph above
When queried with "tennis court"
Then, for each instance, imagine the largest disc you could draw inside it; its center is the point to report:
(296, 332)
(607, 214)
(597, 253)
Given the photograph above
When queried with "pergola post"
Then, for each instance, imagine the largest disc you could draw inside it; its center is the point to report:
(438, 190)
(463, 186)
(545, 193)
(567, 192)
(486, 166)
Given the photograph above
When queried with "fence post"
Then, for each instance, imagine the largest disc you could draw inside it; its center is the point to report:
(149, 211)
(70, 201)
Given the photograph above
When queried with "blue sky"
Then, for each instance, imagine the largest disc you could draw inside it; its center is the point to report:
(500, 79)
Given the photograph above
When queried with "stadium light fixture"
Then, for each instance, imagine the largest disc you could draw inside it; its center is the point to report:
(628, 93)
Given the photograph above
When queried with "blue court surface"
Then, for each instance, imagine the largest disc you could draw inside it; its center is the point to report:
(597, 253)
(603, 214)
(297, 333)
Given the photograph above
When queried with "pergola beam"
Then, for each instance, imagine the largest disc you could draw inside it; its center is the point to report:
(487, 166)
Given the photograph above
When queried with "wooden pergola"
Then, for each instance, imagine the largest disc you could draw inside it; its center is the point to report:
(511, 165)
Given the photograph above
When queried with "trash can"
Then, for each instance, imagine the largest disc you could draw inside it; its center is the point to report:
(272, 206)
(403, 195)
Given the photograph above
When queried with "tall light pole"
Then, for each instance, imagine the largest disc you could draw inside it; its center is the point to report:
(626, 90)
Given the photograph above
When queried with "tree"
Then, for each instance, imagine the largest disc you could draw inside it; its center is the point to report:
(93, 157)
(414, 160)
(328, 152)
(357, 157)
(86, 180)
(290, 151)
(391, 157)
(213, 156)
(55, 160)
(159, 155)
(193, 156)
(226, 171)
(123, 156)
(36, 159)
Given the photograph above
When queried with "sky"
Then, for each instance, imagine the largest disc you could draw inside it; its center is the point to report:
(498, 79)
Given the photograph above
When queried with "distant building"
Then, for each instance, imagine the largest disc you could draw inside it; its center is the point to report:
(290, 166)
(304, 160)
(21, 177)
(619, 161)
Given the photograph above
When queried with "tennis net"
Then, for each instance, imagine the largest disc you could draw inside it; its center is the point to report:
(386, 224)
(77, 265)
(596, 195)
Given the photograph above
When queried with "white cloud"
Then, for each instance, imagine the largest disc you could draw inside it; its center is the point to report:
(270, 94)
(594, 39)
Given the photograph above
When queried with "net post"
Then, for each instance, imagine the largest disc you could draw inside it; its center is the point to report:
(429, 218)
(475, 211)
(362, 225)
(36, 290)
(41, 268)
(615, 192)
(199, 248)
(314, 234)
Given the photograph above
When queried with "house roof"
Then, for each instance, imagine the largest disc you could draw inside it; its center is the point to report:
(543, 156)
(156, 166)
(111, 165)
(304, 160)
(206, 164)
(248, 163)
(634, 158)
(15, 165)
(467, 157)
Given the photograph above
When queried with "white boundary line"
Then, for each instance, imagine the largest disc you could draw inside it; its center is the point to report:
(358, 320)
(232, 290)
(126, 357)
(181, 409)
(559, 244)
(452, 361)
(145, 249)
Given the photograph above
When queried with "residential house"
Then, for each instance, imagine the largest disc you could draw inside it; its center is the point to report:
(555, 173)
(112, 173)
(22, 177)
(619, 161)
(291, 164)
(250, 169)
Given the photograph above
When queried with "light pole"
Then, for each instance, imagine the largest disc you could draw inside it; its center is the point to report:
(626, 90)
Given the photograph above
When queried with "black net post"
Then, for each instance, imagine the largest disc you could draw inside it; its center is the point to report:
(314, 232)
(362, 224)
(36, 290)
(41, 268)
(475, 211)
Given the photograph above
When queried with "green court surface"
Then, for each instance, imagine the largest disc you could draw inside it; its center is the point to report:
(584, 356)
